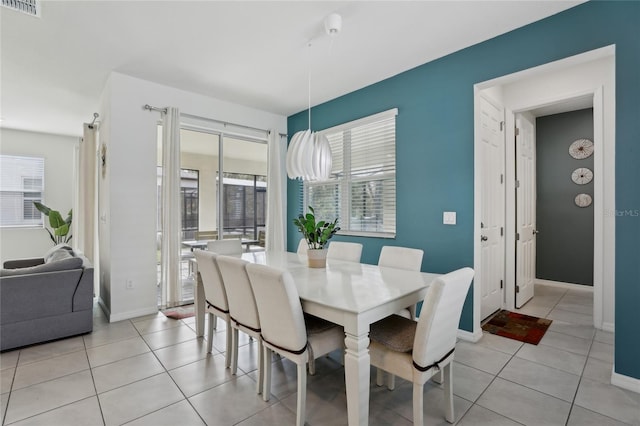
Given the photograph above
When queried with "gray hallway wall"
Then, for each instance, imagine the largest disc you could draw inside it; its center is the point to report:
(564, 248)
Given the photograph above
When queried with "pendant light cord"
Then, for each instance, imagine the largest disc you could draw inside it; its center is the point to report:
(309, 97)
(309, 84)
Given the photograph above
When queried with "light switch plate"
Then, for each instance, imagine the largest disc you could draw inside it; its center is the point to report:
(449, 218)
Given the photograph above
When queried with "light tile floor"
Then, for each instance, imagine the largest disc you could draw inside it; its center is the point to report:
(153, 371)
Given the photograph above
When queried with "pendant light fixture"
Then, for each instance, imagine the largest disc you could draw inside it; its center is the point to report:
(309, 153)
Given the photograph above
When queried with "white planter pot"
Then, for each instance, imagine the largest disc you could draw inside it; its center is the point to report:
(317, 258)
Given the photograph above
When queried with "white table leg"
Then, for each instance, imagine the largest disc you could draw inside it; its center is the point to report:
(356, 366)
(199, 305)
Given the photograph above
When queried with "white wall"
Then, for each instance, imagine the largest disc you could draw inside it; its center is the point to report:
(130, 210)
(58, 152)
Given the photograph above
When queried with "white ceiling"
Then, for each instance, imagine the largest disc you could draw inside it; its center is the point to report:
(53, 68)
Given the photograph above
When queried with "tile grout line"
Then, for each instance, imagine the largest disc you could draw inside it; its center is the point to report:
(13, 378)
(575, 394)
(93, 380)
(178, 387)
(495, 376)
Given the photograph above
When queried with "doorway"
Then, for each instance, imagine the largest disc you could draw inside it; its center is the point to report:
(584, 77)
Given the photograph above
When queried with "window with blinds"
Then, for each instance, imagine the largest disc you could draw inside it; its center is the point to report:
(362, 189)
(21, 183)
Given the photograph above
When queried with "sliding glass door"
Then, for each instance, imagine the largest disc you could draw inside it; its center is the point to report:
(236, 205)
(244, 191)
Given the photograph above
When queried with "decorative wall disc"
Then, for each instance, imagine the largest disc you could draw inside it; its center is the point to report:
(583, 200)
(582, 175)
(581, 149)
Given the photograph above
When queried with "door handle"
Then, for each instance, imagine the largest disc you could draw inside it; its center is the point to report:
(535, 232)
(483, 238)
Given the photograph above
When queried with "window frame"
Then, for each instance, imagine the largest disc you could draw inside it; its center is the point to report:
(345, 181)
(25, 194)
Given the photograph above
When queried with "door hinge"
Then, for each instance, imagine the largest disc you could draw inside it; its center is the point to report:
(501, 178)
(517, 236)
(501, 231)
(517, 131)
(501, 284)
(517, 184)
(517, 289)
(501, 125)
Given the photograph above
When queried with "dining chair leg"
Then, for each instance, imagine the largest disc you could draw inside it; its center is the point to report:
(418, 413)
(210, 333)
(266, 390)
(437, 378)
(229, 352)
(448, 393)
(379, 377)
(302, 395)
(234, 350)
(312, 367)
(214, 322)
(260, 366)
(391, 381)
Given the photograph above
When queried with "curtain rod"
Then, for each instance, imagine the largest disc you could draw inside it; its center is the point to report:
(225, 123)
(95, 117)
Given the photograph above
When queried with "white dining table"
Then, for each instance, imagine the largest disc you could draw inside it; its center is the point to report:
(353, 295)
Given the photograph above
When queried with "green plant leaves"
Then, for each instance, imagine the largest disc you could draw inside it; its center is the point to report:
(41, 207)
(55, 219)
(60, 227)
(316, 234)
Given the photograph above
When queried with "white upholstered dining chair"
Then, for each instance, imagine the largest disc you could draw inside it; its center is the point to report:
(418, 351)
(399, 258)
(233, 246)
(287, 331)
(340, 250)
(216, 304)
(242, 308)
(402, 258)
(302, 247)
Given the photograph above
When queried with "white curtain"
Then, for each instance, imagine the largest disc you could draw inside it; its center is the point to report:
(170, 247)
(84, 211)
(276, 193)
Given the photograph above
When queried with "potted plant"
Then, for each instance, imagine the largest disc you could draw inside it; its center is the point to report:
(61, 227)
(317, 234)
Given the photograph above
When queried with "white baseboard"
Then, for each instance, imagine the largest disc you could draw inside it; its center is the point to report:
(609, 326)
(469, 336)
(625, 382)
(568, 286)
(133, 314)
(104, 307)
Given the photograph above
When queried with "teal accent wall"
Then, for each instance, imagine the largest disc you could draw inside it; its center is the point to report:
(435, 145)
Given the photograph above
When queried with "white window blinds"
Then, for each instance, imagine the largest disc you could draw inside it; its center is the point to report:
(362, 188)
(21, 183)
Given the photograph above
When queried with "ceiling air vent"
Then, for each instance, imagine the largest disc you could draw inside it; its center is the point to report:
(30, 7)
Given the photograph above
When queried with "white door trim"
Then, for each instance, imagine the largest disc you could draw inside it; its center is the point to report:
(604, 188)
(600, 256)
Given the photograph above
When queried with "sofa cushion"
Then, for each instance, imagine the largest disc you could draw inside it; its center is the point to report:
(69, 262)
(56, 250)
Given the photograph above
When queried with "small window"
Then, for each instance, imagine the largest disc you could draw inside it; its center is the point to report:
(362, 189)
(21, 183)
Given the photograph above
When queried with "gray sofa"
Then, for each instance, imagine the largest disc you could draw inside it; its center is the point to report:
(45, 298)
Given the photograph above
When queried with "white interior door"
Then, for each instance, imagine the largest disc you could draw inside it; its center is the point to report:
(492, 207)
(525, 209)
